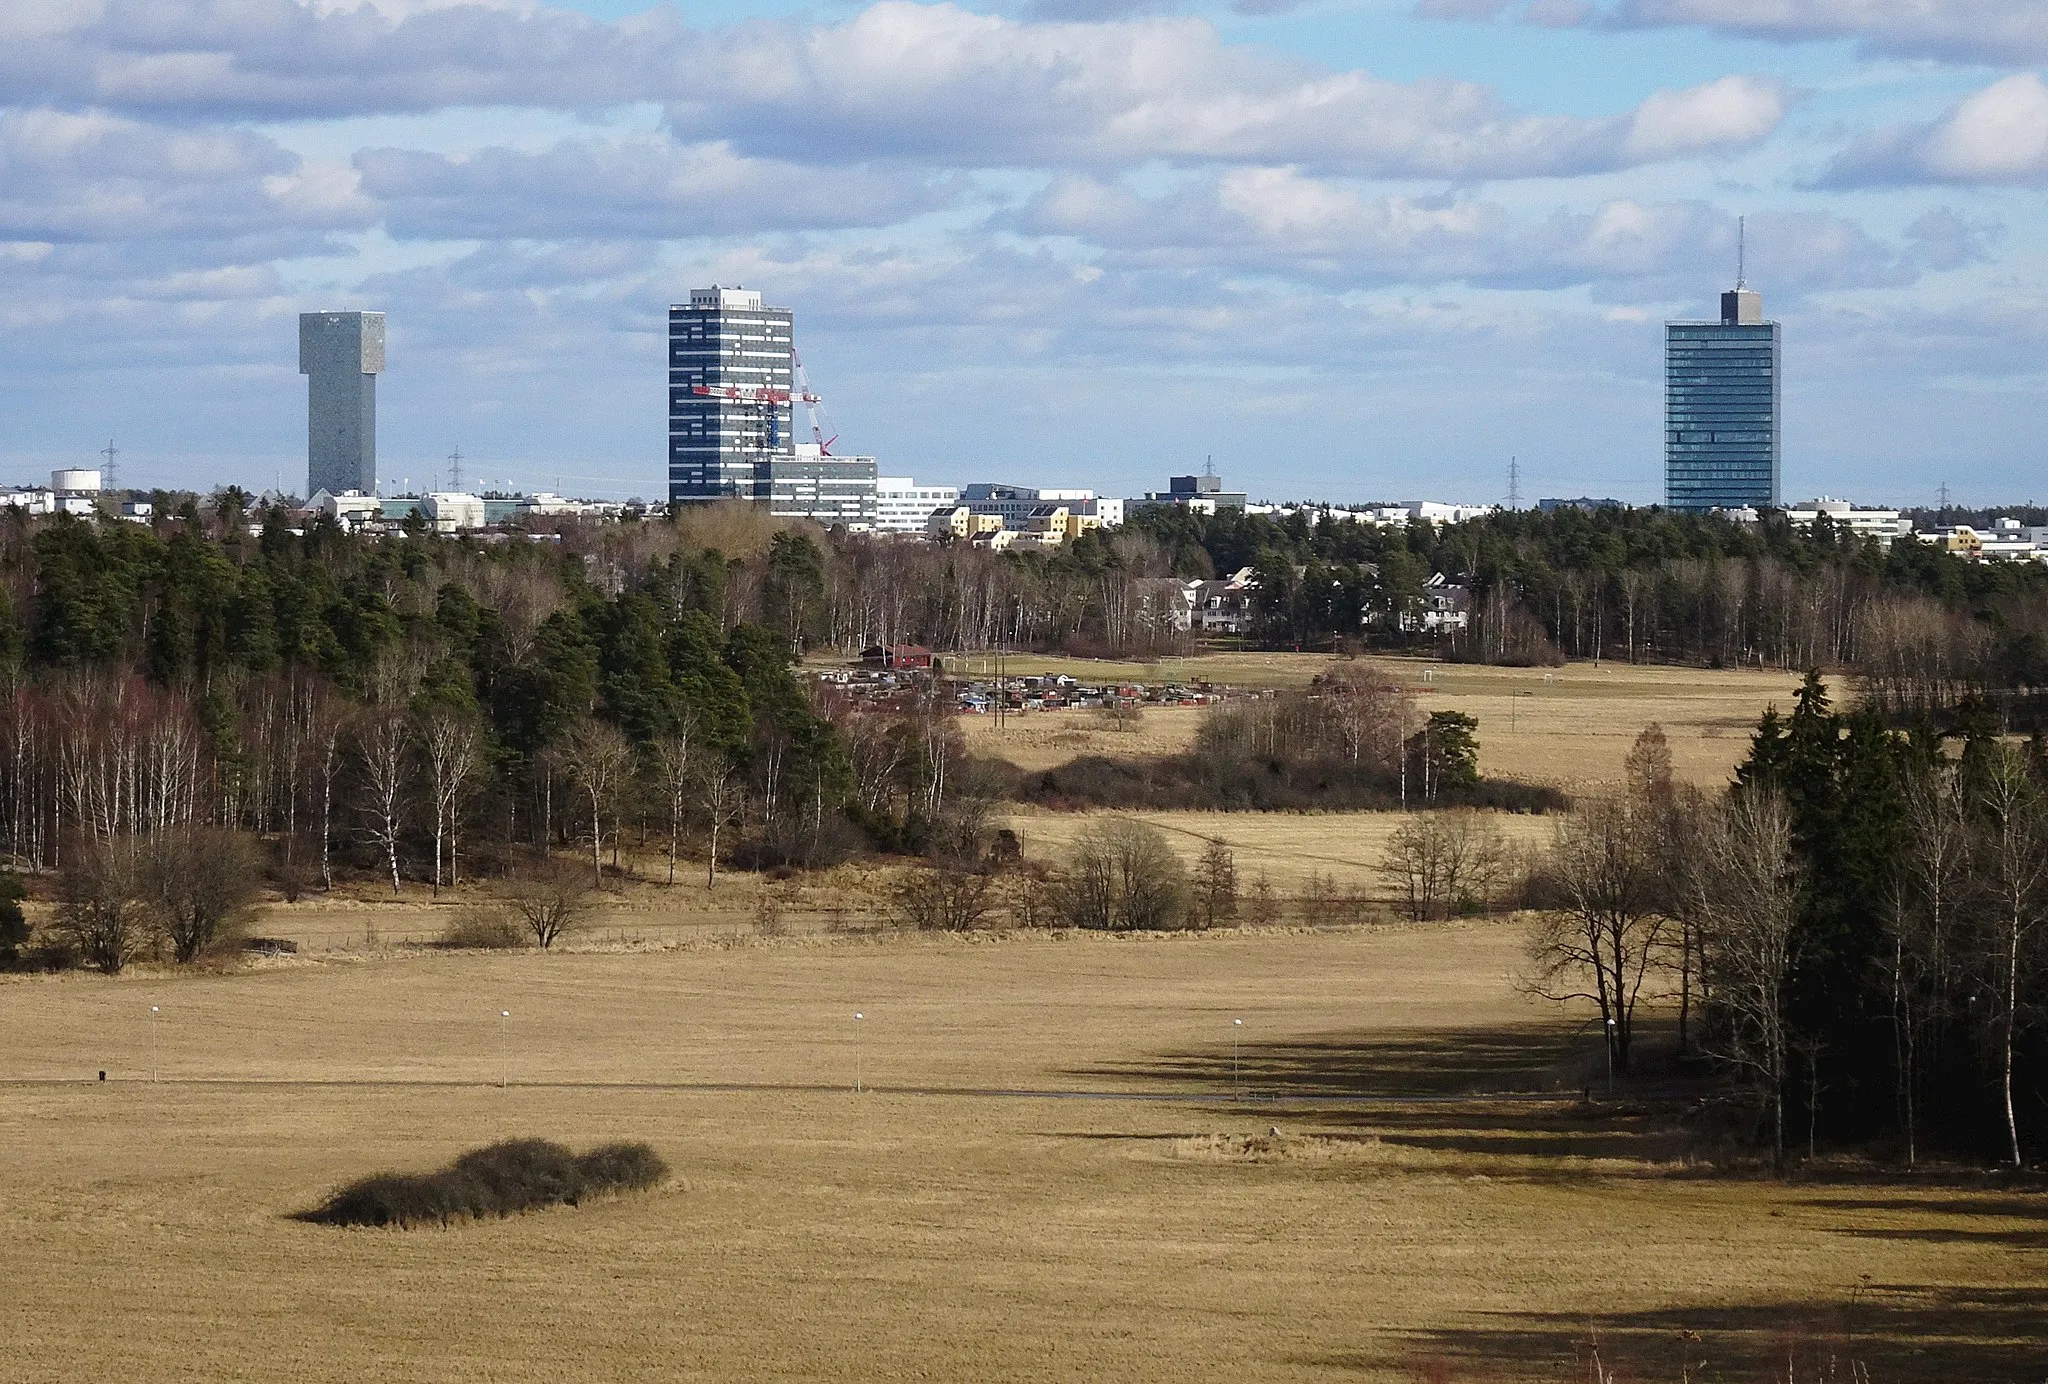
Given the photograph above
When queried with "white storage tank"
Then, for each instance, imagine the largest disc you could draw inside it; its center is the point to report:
(75, 481)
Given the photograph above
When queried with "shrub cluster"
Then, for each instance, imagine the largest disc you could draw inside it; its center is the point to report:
(499, 1180)
(1216, 783)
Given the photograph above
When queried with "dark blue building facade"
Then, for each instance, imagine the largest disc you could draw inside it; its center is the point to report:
(724, 443)
(1722, 417)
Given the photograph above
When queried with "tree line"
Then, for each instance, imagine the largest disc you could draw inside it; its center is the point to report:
(1927, 628)
(1856, 930)
(422, 709)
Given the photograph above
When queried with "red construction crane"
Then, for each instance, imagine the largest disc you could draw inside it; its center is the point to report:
(744, 395)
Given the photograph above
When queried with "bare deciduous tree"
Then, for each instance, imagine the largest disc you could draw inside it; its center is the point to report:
(383, 751)
(1928, 897)
(451, 741)
(1441, 862)
(946, 896)
(195, 883)
(98, 911)
(2012, 870)
(670, 764)
(719, 791)
(1745, 891)
(1608, 921)
(551, 900)
(1121, 875)
(1216, 885)
(598, 759)
(1367, 710)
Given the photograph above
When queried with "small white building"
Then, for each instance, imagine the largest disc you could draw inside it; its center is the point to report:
(1884, 525)
(448, 511)
(350, 509)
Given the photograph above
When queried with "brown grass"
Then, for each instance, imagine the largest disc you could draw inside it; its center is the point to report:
(1287, 847)
(812, 1234)
(1568, 726)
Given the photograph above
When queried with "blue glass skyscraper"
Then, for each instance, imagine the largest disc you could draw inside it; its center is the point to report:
(1722, 420)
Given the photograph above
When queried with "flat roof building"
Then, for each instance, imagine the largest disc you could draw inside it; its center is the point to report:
(731, 362)
(811, 483)
(1202, 494)
(341, 354)
(1722, 417)
(904, 506)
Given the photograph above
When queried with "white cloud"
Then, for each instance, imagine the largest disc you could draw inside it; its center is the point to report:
(1996, 135)
(640, 188)
(1963, 30)
(1284, 221)
(98, 177)
(940, 84)
(1729, 113)
(1994, 29)
(932, 83)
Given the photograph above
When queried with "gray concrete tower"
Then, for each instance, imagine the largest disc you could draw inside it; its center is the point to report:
(341, 354)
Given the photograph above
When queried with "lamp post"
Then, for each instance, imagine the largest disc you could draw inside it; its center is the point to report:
(857, 1018)
(1236, 1030)
(1610, 1059)
(153, 1011)
(504, 1048)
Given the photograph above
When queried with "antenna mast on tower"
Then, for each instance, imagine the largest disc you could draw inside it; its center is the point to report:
(1742, 252)
(1514, 484)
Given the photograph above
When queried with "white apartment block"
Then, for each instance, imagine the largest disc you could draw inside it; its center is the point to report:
(904, 506)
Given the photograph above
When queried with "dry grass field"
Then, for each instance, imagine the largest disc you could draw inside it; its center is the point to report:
(1567, 726)
(963, 1220)
(1286, 847)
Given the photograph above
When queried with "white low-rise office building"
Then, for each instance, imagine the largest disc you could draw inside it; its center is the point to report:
(1884, 525)
(904, 506)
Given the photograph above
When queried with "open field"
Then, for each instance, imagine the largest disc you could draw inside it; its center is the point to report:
(933, 1229)
(1286, 847)
(1567, 726)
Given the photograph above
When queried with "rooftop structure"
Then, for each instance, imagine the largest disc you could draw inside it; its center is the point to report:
(1204, 494)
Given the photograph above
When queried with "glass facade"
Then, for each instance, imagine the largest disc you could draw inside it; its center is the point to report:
(723, 448)
(1721, 411)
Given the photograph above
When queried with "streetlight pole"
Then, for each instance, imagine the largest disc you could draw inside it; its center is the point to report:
(504, 1048)
(1236, 1029)
(857, 1017)
(152, 1044)
(1610, 1059)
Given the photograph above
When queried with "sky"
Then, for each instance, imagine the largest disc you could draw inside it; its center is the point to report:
(1348, 249)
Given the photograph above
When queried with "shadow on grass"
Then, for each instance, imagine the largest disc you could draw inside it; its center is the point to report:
(1473, 1091)
(1899, 1334)
(1519, 1059)
(1955, 1218)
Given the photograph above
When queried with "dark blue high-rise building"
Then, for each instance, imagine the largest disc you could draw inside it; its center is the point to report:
(723, 443)
(1722, 419)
